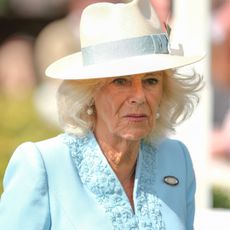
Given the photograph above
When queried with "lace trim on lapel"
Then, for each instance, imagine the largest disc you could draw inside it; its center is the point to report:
(99, 178)
(148, 206)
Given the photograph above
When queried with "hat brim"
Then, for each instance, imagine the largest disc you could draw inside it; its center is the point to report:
(72, 68)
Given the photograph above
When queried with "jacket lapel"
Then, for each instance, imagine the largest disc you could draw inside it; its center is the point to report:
(97, 176)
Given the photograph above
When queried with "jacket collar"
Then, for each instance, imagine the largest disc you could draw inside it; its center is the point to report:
(99, 178)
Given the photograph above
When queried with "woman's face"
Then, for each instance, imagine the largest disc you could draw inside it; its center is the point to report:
(126, 106)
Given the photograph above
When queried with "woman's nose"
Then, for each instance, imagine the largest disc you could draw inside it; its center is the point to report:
(137, 92)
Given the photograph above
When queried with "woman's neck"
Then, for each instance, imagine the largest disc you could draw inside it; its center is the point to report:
(122, 156)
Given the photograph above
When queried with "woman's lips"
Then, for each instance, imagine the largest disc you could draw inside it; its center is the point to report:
(136, 117)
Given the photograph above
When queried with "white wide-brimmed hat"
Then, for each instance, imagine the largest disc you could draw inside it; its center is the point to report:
(117, 40)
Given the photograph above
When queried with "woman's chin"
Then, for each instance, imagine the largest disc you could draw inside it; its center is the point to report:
(134, 136)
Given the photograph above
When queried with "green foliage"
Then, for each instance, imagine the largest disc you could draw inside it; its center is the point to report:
(221, 197)
(19, 122)
(3, 6)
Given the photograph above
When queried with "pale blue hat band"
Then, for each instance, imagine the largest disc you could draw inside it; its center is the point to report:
(149, 44)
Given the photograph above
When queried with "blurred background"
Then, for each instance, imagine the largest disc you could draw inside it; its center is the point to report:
(34, 33)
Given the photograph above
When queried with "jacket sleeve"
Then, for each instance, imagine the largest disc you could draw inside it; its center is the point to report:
(24, 203)
(190, 189)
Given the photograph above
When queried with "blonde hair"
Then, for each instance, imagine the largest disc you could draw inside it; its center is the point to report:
(180, 97)
(177, 104)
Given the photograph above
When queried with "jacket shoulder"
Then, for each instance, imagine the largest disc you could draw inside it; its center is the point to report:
(175, 152)
(173, 143)
(173, 147)
(51, 145)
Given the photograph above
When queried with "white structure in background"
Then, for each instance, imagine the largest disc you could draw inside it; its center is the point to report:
(191, 24)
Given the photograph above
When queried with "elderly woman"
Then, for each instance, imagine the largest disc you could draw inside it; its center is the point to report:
(113, 168)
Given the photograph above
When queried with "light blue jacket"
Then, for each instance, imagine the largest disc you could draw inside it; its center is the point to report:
(65, 183)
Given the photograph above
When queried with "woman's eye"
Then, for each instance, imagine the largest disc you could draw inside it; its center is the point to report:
(120, 81)
(151, 81)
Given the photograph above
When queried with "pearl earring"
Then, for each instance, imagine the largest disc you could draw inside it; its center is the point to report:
(157, 115)
(89, 111)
